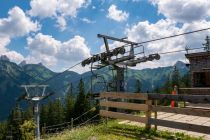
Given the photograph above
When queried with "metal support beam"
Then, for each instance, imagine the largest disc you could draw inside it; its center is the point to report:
(37, 118)
(117, 39)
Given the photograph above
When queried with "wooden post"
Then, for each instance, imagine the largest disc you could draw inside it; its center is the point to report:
(106, 121)
(155, 114)
(148, 113)
(43, 129)
(72, 123)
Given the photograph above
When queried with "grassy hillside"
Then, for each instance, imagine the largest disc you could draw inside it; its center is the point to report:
(115, 131)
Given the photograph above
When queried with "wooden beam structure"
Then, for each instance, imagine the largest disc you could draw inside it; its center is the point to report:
(185, 111)
(124, 95)
(124, 105)
(180, 125)
(187, 98)
(123, 116)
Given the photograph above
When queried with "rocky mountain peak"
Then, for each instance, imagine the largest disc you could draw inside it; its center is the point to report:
(23, 63)
(180, 65)
(4, 58)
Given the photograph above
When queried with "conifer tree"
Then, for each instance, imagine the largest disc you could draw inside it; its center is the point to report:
(15, 120)
(28, 114)
(175, 79)
(167, 86)
(81, 104)
(44, 115)
(138, 86)
(69, 104)
(59, 109)
(51, 114)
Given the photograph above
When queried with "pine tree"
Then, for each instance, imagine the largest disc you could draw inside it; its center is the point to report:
(44, 115)
(28, 114)
(167, 86)
(51, 114)
(69, 104)
(175, 77)
(59, 109)
(15, 120)
(81, 104)
(138, 86)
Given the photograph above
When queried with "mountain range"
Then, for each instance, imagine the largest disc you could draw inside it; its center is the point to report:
(13, 75)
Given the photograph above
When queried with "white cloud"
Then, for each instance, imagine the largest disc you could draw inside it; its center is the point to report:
(4, 41)
(54, 53)
(61, 23)
(86, 20)
(17, 24)
(43, 8)
(183, 10)
(117, 15)
(12, 55)
(70, 7)
(144, 31)
(58, 9)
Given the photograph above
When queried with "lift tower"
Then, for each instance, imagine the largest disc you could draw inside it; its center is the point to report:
(119, 58)
(35, 94)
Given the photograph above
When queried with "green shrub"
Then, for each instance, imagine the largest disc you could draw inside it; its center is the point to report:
(27, 130)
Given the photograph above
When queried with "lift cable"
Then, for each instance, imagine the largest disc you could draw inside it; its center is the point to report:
(172, 36)
(167, 37)
(134, 47)
(60, 73)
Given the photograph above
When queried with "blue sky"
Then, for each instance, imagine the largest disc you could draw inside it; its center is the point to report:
(63, 32)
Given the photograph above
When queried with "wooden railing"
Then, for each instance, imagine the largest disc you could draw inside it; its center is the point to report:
(123, 101)
(195, 91)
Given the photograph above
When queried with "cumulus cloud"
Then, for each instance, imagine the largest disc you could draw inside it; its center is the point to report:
(4, 41)
(116, 14)
(15, 25)
(58, 9)
(61, 23)
(53, 52)
(183, 10)
(143, 31)
(43, 8)
(12, 55)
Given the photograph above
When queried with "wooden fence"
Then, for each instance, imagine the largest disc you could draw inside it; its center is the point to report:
(123, 101)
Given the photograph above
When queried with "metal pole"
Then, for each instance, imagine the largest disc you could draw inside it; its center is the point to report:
(36, 110)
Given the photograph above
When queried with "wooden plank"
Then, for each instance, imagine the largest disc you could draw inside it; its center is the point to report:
(180, 125)
(185, 111)
(195, 91)
(148, 114)
(155, 113)
(124, 95)
(124, 105)
(123, 116)
(187, 98)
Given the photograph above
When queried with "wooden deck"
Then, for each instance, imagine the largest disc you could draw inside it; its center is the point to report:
(196, 120)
